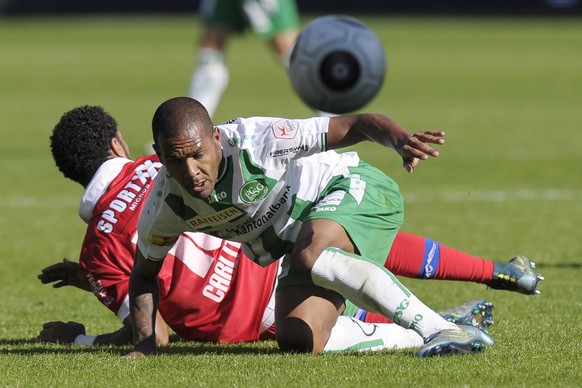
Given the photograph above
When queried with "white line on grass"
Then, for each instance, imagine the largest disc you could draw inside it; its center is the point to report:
(23, 202)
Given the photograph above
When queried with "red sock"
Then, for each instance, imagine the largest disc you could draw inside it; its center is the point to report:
(375, 318)
(420, 257)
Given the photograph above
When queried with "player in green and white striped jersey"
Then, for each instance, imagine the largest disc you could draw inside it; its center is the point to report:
(275, 185)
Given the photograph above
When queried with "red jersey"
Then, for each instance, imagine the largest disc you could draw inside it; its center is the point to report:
(209, 291)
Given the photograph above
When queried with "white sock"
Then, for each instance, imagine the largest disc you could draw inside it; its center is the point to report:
(375, 289)
(352, 334)
(209, 79)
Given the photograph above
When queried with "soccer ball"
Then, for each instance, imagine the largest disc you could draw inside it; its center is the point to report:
(337, 65)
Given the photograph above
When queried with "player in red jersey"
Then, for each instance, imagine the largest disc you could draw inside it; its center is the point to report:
(222, 296)
(202, 308)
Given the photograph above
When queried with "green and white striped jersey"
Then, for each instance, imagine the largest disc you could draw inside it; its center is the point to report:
(275, 171)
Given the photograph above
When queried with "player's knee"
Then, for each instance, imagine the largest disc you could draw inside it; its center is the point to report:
(302, 261)
(294, 335)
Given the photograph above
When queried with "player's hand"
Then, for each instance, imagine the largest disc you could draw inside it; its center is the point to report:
(417, 148)
(134, 354)
(143, 349)
(61, 332)
(67, 273)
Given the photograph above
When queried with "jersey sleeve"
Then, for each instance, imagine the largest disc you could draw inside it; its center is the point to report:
(274, 141)
(158, 227)
(294, 139)
(108, 264)
(108, 249)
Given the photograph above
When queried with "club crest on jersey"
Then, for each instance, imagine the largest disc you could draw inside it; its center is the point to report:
(285, 129)
(253, 191)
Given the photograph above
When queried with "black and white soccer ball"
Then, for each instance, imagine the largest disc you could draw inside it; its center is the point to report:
(338, 64)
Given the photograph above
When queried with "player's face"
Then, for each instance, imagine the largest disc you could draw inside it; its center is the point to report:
(193, 159)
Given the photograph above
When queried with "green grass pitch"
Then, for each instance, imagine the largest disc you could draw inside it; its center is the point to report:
(508, 92)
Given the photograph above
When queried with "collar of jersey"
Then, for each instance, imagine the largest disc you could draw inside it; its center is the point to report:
(99, 184)
(224, 168)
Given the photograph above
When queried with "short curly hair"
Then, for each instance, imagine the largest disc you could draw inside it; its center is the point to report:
(81, 142)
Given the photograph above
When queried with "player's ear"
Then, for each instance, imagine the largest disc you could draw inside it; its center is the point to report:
(216, 137)
(118, 148)
(157, 151)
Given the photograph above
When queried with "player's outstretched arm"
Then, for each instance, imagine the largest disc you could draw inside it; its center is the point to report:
(143, 304)
(65, 273)
(74, 333)
(348, 130)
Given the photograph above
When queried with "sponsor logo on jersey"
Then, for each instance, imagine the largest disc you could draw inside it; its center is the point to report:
(215, 197)
(285, 129)
(260, 220)
(330, 202)
(253, 191)
(221, 277)
(217, 218)
(99, 291)
(287, 151)
(332, 199)
(131, 195)
(325, 209)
